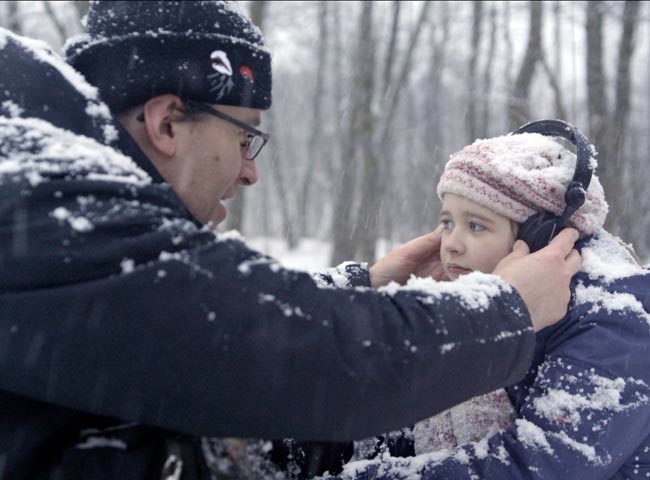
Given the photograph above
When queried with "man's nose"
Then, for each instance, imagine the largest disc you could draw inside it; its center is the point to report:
(248, 174)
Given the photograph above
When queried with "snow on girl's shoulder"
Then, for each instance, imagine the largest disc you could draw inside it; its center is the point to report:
(601, 299)
(606, 259)
(475, 290)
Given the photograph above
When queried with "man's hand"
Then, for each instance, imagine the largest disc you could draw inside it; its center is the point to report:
(542, 278)
(420, 257)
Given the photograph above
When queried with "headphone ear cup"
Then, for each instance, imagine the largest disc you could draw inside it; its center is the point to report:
(538, 230)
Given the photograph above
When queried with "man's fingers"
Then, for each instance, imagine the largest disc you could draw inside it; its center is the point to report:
(574, 261)
(564, 241)
(423, 246)
(435, 237)
(420, 256)
(519, 249)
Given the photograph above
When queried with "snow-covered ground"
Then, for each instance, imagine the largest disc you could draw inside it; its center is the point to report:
(311, 254)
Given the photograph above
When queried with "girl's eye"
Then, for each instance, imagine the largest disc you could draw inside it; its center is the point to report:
(447, 224)
(476, 227)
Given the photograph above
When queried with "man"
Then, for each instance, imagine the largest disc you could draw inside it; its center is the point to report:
(128, 330)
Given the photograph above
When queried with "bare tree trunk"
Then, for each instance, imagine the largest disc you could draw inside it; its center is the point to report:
(622, 105)
(343, 228)
(380, 140)
(434, 138)
(518, 109)
(278, 170)
(555, 75)
(507, 40)
(421, 202)
(472, 100)
(596, 91)
(364, 235)
(236, 209)
(390, 51)
(394, 91)
(13, 20)
(487, 76)
(619, 196)
(82, 7)
(386, 226)
(58, 26)
(557, 40)
(314, 150)
(560, 109)
(333, 165)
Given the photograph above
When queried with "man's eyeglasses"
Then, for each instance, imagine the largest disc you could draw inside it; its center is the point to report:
(255, 139)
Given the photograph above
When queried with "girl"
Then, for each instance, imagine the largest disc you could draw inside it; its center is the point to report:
(583, 410)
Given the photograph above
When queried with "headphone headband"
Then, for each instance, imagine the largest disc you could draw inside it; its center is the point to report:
(539, 229)
(558, 128)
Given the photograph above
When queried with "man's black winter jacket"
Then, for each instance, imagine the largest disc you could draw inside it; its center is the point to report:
(127, 331)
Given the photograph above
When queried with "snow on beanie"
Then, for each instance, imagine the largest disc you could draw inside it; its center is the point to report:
(207, 51)
(519, 175)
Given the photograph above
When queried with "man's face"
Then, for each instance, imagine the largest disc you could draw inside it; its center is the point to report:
(212, 163)
(474, 238)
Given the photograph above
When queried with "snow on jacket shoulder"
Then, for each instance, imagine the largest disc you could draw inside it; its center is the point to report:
(116, 306)
(584, 407)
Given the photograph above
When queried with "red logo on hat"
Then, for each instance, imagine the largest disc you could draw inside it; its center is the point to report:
(247, 73)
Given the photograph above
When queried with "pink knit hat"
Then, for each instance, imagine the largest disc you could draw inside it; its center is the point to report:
(519, 175)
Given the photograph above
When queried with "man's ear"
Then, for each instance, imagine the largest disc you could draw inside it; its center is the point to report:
(161, 123)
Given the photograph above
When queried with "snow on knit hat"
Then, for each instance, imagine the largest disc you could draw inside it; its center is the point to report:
(208, 51)
(517, 176)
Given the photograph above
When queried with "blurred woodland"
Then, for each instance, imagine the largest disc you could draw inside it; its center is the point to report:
(371, 98)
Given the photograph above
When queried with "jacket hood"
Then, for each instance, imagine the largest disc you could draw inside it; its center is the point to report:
(37, 84)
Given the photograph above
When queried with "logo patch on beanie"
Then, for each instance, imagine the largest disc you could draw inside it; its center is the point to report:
(247, 73)
(221, 63)
(221, 80)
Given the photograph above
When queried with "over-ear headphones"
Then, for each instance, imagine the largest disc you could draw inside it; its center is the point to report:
(538, 230)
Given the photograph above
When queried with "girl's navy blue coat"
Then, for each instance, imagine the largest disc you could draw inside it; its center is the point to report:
(584, 406)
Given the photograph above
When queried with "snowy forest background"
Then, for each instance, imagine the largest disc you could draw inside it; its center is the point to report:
(371, 98)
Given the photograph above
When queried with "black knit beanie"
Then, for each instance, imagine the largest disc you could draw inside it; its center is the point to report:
(207, 51)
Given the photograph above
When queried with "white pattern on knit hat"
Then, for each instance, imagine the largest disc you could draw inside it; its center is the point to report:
(519, 175)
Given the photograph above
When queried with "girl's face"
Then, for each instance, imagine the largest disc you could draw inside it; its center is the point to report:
(474, 238)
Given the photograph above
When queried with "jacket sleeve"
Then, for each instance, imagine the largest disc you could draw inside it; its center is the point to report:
(178, 328)
(114, 303)
(585, 415)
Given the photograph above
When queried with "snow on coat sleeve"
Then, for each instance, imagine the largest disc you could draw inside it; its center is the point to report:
(585, 416)
(218, 340)
(114, 302)
(347, 274)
